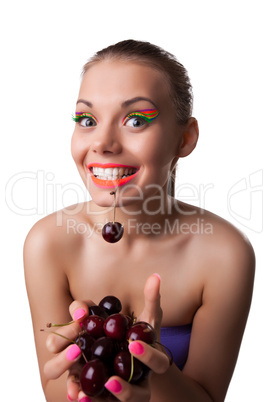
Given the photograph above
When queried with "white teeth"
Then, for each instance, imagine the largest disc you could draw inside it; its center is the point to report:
(112, 173)
(108, 171)
(115, 172)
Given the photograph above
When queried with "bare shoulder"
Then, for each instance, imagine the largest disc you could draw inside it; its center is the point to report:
(228, 266)
(53, 237)
(222, 255)
(218, 241)
(229, 247)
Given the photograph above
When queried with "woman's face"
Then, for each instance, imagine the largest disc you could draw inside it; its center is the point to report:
(127, 135)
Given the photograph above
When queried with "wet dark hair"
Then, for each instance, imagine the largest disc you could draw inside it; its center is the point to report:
(166, 63)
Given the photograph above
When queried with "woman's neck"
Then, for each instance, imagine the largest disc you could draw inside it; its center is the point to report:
(146, 218)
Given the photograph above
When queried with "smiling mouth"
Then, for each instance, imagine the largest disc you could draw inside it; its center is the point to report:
(108, 176)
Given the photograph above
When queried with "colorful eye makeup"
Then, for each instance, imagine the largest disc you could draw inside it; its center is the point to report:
(79, 116)
(147, 114)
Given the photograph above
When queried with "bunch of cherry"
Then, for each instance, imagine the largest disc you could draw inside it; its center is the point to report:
(104, 338)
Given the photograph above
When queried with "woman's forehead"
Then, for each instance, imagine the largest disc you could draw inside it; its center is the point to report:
(123, 79)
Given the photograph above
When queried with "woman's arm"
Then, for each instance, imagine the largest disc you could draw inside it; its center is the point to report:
(49, 297)
(218, 327)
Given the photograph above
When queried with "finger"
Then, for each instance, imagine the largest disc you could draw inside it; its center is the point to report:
(84, 398)
(155, 359)
(59, 339)
(152, 312)
(79, 309)
(56, 366)
(128, 392)
(73, 384)
(73, 387)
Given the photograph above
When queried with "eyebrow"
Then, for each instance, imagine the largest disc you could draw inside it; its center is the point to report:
(89, 104)
(126, 103)
(137, 99)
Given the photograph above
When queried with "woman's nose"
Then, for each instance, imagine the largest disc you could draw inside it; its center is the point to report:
(106, 141)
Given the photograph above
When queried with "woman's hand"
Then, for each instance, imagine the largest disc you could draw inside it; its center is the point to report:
(67, 356)
(156, 360)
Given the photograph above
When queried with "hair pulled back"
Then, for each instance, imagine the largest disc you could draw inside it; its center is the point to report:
(159, 59)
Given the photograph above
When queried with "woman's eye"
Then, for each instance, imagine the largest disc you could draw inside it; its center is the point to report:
(135, 122)
(87, 122)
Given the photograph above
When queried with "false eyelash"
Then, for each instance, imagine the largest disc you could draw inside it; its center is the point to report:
(79, 116)
(147, 114)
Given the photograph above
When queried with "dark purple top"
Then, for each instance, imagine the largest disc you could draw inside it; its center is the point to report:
(177, 340)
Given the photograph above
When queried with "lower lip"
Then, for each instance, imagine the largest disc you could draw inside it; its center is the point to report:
(111, 183)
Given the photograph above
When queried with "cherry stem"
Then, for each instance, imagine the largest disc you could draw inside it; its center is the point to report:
(132, 368)
(166, 350)
(114, 207)
(68, 339)
(50, 324)
(56, 333)
(114, 194)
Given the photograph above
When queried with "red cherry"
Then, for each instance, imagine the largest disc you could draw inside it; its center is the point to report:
(142, 331)
(93, 377)
(112, 232)
(103, 348)
(111, 304)
(115, 326)
(93, 324)
(97, 310)
(123, 366)
(85, 342)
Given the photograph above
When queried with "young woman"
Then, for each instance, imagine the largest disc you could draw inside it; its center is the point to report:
(133, 123)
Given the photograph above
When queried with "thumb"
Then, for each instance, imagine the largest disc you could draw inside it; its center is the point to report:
(152, 312)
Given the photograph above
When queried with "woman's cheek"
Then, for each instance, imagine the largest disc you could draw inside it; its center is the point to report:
(78, 151)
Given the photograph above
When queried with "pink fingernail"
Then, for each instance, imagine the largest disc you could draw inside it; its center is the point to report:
(79, 313)
(158, 276)
(69, 398)
(136, 348)
(73, 352)
(114, 386)
(85, 399)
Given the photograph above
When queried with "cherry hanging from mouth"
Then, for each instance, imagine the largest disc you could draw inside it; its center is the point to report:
(112, 232)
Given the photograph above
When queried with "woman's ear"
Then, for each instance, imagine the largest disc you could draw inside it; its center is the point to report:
(189, 138)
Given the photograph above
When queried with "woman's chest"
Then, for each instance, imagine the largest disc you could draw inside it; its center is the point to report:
(96, 274)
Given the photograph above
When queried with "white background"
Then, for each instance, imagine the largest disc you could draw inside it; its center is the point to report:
(223, 44)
